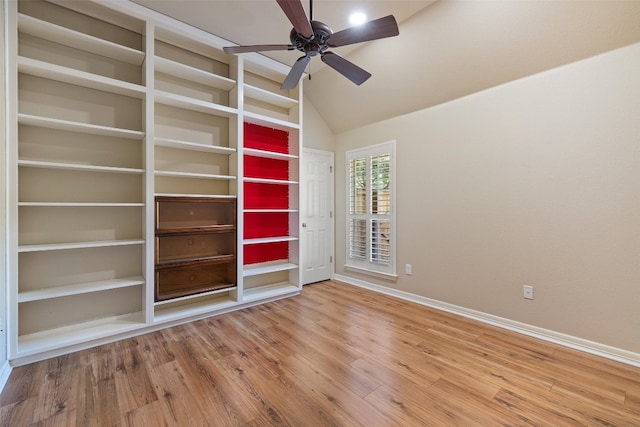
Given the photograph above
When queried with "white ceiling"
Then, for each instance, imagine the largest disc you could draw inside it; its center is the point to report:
(446, 49)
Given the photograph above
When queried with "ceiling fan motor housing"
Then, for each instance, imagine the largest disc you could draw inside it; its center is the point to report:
(317, 44)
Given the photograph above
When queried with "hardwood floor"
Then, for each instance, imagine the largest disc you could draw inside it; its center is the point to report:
(335, 356)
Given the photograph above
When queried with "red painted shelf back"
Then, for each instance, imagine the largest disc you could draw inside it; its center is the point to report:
(265, 196)
(260, 167)
(263, 138)
(265, 224)
(264, 252)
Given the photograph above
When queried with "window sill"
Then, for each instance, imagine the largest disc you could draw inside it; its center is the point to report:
(380, 274)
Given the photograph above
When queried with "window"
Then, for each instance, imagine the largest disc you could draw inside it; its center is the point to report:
(370, 209)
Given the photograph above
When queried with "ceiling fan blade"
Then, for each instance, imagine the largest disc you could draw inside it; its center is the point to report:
(372, 30)
(257, 48)
(296, 72)
(296, 14)
(346, 68)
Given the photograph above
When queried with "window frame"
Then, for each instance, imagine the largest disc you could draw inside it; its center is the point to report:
(366, 265)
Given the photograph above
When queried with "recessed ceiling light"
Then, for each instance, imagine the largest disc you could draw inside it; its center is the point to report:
(357, 18)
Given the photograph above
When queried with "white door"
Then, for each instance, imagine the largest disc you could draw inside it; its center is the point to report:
(316, 212)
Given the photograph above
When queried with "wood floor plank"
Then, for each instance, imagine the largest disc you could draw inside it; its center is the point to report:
(538, 411)
(61, 419)
(196, 362)
(17, 414)
(177, 403)
(56, 391)
(23, 383)
(97, 400)
(248, 396)
(408, 405)
(499, 371)
(147, 415)
(329, 392)
(469, 408)
(299, 404)
(336, 355)
(133, 385)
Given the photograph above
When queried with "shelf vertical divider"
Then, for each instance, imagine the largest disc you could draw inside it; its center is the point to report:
(149, 177)
(239, 163)
(299, 167)
(11, 45)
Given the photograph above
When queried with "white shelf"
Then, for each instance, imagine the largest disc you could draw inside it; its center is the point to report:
(77, 167)
(194, 296)
(270, 181)
(269, 240)
(59, 73)
(66, 125)
(197, 308)
(214, 196)
(193, 74)
(78, 40)
(265, 268)
(78, 245)
(193, 104)
(194, 175)
(80, 204)
(262, 120)
(272, 98)
(51, 339)
(269, 154)
(193, 146)
(79, 288)
(269, 291)
(271, 210)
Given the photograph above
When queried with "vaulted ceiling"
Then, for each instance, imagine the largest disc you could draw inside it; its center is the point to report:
(446, 49)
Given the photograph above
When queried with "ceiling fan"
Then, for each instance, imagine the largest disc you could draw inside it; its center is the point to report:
(313, 38)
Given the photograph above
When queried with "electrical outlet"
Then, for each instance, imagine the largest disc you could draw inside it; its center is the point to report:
(408, 269)
(527, 292)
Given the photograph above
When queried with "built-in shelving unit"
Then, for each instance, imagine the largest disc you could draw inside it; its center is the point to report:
(196, 119)
(79, 178)
(271, 215)
(116, 111)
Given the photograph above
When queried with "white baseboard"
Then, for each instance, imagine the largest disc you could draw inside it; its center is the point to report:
(559, 338)
(5, 371)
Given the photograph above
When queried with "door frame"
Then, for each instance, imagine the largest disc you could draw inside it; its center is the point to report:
(331, 204)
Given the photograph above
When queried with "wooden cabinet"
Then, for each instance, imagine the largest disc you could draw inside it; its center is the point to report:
(134, 199)
(195, 248)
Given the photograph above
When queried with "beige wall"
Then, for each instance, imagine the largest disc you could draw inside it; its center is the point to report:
(316, 133)
(534, 182)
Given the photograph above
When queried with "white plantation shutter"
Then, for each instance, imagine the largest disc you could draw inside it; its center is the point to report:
(358, 209)
(358, 186)
(358, 239)
(370, 206)
(380, 241)
(380, 181)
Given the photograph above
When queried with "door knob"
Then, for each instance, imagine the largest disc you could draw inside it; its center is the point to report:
(304, 225)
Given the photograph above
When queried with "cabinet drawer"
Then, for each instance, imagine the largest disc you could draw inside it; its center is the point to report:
(176, 214)
(177, 282)
(183, 247)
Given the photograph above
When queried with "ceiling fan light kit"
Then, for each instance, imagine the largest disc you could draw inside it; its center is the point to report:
(313, 38)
